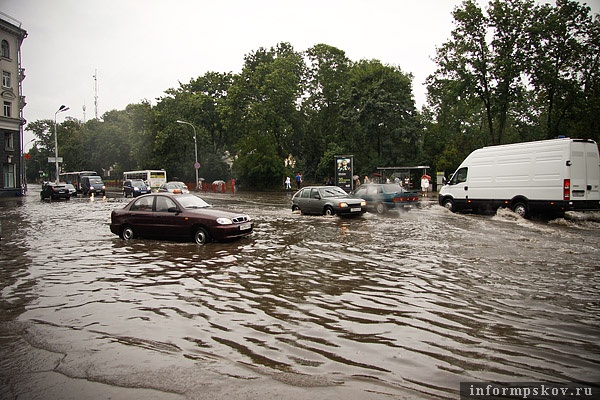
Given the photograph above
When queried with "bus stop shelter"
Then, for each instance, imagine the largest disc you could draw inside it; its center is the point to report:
(414, 173)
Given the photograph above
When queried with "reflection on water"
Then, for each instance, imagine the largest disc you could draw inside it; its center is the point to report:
(409, 303)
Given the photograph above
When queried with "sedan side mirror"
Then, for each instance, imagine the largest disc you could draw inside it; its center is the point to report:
(174, 210)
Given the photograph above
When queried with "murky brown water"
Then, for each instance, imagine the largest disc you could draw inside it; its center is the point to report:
(399, 306)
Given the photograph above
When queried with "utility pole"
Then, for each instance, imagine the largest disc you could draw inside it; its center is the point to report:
(96, 92)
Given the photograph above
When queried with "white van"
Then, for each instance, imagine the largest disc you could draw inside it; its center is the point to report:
(551, 176)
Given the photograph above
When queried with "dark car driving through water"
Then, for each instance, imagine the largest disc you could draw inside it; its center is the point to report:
(178, 216)
(135, 187)
(54, 191)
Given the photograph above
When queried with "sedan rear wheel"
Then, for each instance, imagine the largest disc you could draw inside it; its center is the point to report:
(380, 208)
(201, 236)
(127, 233)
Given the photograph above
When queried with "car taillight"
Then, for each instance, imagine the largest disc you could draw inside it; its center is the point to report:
(567, 190)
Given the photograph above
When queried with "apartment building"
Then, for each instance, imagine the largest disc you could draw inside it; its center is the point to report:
(12, 179)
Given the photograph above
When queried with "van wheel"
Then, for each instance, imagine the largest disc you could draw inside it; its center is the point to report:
(448, 204)
(520, 208)
(127, 232)
(201, 236)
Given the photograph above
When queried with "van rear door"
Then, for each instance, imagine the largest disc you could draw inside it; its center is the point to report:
(585, 171)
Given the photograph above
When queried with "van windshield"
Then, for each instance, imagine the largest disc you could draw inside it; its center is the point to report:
(95, 180)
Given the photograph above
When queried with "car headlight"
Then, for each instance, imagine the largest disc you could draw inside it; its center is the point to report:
(363, 203)
(343, 205)
(224, 221)
(136, 189)
(103, 187)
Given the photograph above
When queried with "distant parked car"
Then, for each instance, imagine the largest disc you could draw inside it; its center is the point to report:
(382, 197)
(327, 200)
(174, 187)
(54, 191)
(178, 216)
(72, 190)
(135, 187)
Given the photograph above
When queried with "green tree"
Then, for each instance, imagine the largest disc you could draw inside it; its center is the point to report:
(564, 68)
(380, 122)
(263, 114)
(327, 75)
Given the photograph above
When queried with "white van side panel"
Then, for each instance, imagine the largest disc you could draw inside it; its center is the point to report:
(535, 171)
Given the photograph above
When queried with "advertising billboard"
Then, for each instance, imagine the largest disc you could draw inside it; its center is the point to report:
(344, 170)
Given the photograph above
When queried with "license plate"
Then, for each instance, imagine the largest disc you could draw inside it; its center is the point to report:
(356, 209)
(245, 227)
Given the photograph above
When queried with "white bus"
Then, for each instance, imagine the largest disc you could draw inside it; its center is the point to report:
(153, 177)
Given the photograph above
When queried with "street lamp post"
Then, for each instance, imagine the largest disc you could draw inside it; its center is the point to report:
(195, 149)
(60, 109)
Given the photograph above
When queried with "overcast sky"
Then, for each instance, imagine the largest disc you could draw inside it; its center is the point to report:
(140, 48)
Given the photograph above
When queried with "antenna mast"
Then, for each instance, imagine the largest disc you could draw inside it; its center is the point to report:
(96, 92)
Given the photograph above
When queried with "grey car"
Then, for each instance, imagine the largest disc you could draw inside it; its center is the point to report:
(327, 200)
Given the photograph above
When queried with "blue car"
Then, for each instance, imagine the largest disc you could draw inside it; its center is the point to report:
(382, 197)
(135, 187)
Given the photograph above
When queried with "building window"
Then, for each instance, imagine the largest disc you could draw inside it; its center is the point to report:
(9, 141)
(5, 49)
(9, 175)
(7, 109)
(6, 79)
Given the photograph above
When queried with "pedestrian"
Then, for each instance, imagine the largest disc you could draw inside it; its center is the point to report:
(407, 183)
(233, 185)
(288, 183)
(298, 180)
(425, 184)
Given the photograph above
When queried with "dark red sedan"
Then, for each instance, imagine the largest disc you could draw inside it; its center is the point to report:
(178, 216)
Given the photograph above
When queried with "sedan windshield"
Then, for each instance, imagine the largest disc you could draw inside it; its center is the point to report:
(333, 191)
(192, 201)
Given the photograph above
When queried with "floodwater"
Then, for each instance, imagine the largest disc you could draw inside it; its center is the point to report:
(400, 306)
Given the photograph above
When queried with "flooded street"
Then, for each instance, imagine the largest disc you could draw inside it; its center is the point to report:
(400, 306)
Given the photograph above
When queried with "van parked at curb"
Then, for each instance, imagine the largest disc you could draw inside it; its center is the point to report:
(549, 176)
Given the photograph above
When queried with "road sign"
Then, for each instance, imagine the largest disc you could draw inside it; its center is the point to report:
(197, 165)
(53, 159)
